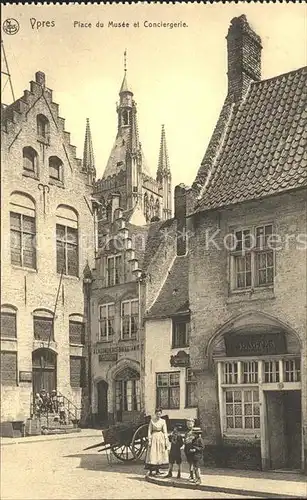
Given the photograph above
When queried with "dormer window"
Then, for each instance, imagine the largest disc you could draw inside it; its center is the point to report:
(42, 127)
(55, 169)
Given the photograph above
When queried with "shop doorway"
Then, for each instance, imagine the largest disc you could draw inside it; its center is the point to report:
(102, 396)
(44, 370)
(284, 425)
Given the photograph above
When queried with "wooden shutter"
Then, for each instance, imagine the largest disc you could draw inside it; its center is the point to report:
(8, 325)
(8, 368)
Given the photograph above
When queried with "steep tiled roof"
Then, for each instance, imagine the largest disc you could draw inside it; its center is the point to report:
(262, 147)
(174, 297)
(156, 233)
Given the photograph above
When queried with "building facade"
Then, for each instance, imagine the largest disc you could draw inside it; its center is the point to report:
(247, 269)
(47, 242)
(169, 381)
(127, 199)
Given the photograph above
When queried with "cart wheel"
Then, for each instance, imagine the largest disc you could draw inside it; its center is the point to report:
(123, 452)
(139, 441)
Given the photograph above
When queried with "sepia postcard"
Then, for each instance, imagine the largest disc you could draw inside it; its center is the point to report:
(153, 250)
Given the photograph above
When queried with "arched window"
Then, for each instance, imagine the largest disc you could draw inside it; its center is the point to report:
(151, 207)
(125, 117)
(43, 127)
(146, 207)
(43, 325)
(55, 169)
(8, 322)
(22, 230)
(67, 248)
(30, 160)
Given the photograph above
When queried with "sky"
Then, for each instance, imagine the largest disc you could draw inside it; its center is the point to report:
(178, 76)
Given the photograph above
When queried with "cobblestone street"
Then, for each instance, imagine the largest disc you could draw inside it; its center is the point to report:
(60, 469)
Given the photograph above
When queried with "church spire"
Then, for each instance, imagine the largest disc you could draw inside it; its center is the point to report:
(88, 152)
(164, 178)
(124, 86)
(163, 162)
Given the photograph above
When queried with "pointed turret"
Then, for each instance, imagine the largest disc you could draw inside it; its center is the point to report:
(163, 162)
(164, 177)
(88, 153)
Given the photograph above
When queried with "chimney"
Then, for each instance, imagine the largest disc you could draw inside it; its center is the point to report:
(40, 78)
(244, 57)
(180, 216)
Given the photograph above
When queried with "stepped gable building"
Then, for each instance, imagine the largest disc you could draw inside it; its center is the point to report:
(247, 267)
(47, 240)
(126, 174)
(128, 198)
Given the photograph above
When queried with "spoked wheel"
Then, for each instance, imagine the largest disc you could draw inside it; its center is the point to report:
(140, 441)
(123, 452)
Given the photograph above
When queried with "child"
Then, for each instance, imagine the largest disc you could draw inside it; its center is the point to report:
(175, 453)
(188, 439)
(196, 453)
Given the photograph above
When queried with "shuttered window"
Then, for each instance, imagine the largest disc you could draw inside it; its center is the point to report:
(8, 368)
(77, 371)
(8, 325)
(76, 333)
(43, 328)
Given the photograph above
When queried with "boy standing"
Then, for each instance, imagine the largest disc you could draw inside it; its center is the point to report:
(188, 440)
(175, 453)
(196, 453)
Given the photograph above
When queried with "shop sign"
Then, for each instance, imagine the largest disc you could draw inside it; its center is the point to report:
(116, 349)
(255, 345)
(181, 359)
(107, 356)
(25, 376)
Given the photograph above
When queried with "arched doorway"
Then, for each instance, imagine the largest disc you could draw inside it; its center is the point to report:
(127, 395)
(44, 370)
(102, 399)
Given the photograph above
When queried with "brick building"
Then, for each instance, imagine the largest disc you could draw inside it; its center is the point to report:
(128, 198)
(47, 240)
(247, 268)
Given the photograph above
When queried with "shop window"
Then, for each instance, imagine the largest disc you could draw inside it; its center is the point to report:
(271, 371)
(231, 373)
(8, 322)
(250, 372)
(190, 387)
(181, 333)
(77, 372)
(22, 231)
(43, 127)
(242, 409)
(30, 160)
(127, 395)
(8, 368)
(43, 325)
(67, 248)
(76, 332)
(106, 322)
(292, 370)
(168, 390)
(129, 319)
(114, 270)
(55, 169)
(252, 258)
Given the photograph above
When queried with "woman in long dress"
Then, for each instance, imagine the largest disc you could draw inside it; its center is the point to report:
(158, 444)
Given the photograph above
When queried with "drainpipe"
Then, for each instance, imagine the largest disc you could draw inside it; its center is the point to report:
(87, 282)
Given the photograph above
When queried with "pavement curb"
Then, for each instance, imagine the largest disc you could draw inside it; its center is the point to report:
(222, 489)
(54, 437)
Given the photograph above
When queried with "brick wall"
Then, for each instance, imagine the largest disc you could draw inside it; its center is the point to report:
(212, 306)
(30, 289)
